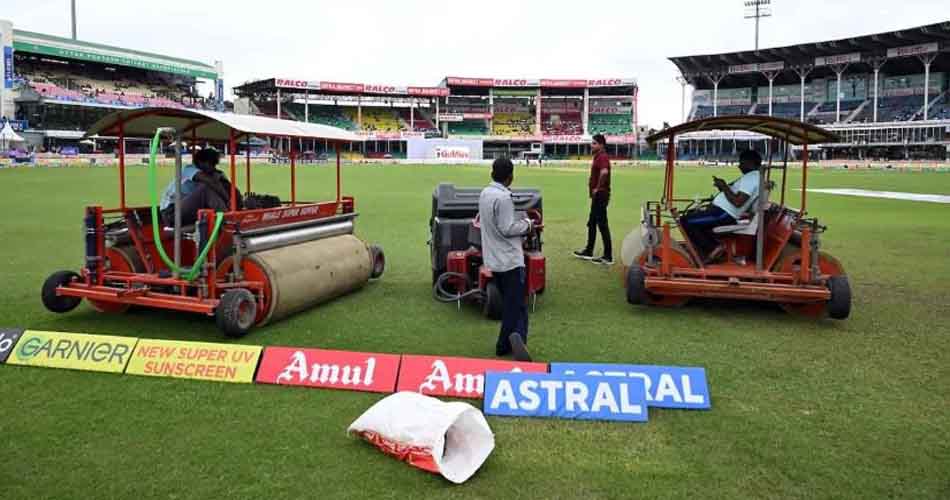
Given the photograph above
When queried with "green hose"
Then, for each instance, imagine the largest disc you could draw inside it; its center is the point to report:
(152, 184)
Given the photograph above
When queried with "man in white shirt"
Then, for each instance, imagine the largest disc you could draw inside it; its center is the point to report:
(733, 202)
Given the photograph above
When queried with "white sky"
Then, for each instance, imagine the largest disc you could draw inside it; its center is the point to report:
(418, 42)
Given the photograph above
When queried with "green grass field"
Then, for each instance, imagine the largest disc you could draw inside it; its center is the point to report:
(801, 408)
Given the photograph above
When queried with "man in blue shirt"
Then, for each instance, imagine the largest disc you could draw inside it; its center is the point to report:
(732, 203)
(202, 186)
(503, 254)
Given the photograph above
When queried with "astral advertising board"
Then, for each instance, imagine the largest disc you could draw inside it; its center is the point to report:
(666, 386)
(354, 371)
(550, 395)
(75, 351)
(8, 338)
(455, 377)
(195, 360)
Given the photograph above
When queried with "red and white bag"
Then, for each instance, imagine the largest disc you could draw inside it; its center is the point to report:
(451, 439)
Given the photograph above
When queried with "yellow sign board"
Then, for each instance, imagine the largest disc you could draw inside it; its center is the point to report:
(76, 351)
(196, 360)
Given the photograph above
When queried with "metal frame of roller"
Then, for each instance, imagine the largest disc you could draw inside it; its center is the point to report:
(263, 265)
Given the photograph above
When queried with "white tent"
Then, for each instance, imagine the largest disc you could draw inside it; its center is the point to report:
(8, 136)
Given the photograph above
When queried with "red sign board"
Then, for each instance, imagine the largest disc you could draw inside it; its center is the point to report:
(294, 84)
(564, 83)
(342, 87)
(428, 91)
(354, 371)
(469, 82)
(476, 116)
(454, 377)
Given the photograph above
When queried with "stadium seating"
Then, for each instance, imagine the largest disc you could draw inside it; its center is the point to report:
(330, 115)
(707, 111)
(562, 123)
(418, 119)
(940, 110)
(469, 127)
(375, 119)
(782, 109)
(897, 108)
(607, 124)
(513, 124)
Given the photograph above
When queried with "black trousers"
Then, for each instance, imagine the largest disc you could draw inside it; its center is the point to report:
(514, 316)
(201, 197)
(699, 227)
(598, 219)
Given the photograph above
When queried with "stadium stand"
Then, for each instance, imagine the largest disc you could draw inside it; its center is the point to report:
(562, 123)
(331, 115)
(782, 109)
(610, 124)
(468, 127)
(513, 124)
(898, 108)
(420, 121)
(707, 111)
(940, 109)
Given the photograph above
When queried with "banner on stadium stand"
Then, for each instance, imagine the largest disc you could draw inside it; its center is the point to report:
(195, 360)
(551, 395)
(609, 110)
(757, 67)
(296, 84)
(913, 50)
(100, 353)
(428, 91)
(455, 377)
(838, 59)
(451, 117)
(8, 67)
(621, 139)
(575, 84)
(612, 82)
(514, 82)
(477, 116)
(356, 88)
(566, 139)
(354, 371)
(385, 89)
(8, 338)
(469, 82)
(666, 386)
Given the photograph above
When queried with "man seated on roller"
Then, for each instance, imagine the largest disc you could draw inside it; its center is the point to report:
(202, 186)
(732, 203)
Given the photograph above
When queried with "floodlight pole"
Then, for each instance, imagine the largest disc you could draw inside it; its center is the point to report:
(757, 14)
(73, 5)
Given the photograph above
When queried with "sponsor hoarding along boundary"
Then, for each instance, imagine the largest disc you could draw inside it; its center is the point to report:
(8, 340)
(75, 351)
(196, 360)
(355, 371)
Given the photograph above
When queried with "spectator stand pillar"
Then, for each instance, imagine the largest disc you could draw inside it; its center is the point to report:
(927, 59)
(770, 76)
(585, 118)
(537, 113)
(278, 103)
(491, 110)
(876, 63)
(715, 78)
(839, 69)
(802, 72)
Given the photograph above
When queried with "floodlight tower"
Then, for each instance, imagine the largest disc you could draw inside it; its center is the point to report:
(73, 5)
(757, 9)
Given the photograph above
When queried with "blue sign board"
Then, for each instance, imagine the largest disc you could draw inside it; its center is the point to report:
(666, 386)
(560, 396)
(16, 125)
(8, 67)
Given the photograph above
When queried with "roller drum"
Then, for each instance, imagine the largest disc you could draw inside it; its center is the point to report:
(303, 275)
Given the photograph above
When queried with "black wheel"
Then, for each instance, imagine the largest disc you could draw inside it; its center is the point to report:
(236, 312)
(839, 305)
(636, 291)
(491, 302)
(378, 259)
(54, 302)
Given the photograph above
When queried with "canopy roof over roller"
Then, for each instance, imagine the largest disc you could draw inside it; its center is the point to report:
(211, 125)
(793, 131)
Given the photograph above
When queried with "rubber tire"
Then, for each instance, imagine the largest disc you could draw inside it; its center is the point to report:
(54, 302)
(229, 317)
(636, 289)
(378, 262)
(839, 305)
(492, 304)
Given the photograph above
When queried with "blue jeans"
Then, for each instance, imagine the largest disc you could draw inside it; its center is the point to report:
(514, 317)
(699, 226)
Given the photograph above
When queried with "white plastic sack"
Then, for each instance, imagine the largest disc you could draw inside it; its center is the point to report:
(451, 439)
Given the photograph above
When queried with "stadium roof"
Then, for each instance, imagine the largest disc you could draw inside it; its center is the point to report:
(794, 131)
(898, 48)
(66, 48)
(211, 125)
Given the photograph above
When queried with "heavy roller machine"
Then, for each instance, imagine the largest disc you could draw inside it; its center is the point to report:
(246, 266)
(455, 247)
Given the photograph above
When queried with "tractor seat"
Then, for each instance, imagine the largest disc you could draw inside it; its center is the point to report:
(742, 226)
